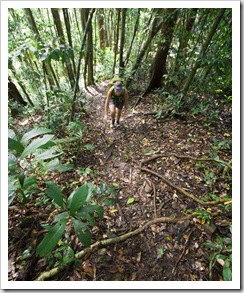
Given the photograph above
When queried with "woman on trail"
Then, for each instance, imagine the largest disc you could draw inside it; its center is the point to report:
(117, 98)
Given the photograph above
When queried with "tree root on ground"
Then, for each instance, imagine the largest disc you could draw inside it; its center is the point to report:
(227, 165)
(182, 191)
(106, 242)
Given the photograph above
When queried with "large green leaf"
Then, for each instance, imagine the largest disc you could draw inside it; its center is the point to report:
(82, 231)
(54, 192)
(77, 198)
(227, 274)
(49, 154)
(51, 239)
(33, 133)
(15, 145)
(11, 134)
(35, 144)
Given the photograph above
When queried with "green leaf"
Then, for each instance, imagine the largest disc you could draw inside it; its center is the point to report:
(61, 217)
(33, 133)
(30, 181)
(130, 200)
(82, 231)
(52, 165)
(49, 154)
(89, 147)
(51, 239)
(211, 245)
(22, 179)
(64, 168)
(35, 144)
(15, 145)
(110, 201)
(12, 163)
(227, 274)
(69, 255)
(77, 198)
(54, 192)
(11, 134)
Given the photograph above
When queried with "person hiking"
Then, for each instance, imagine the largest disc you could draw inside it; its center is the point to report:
(116, 99)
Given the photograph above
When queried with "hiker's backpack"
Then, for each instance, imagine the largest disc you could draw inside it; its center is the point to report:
(113, 81)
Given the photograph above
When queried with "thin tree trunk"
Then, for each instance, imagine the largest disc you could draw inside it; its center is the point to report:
(127, 58)
(79, 61)
(122, 43)
(185, 36)
(155, 27)
(68, 30)
(47, 67)
(116, 38)
(203, 51)
(14, 94)
(58, 24)
(101, 29)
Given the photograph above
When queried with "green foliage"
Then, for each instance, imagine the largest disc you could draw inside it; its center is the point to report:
(78, 213)
(222, 253)
(30, 157)
(203, 215)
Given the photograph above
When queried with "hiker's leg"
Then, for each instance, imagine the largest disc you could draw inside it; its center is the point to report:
(112, 112)
(118, 115)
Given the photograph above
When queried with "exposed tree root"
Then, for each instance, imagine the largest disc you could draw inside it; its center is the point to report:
(182, 191)
(188, 158)
(103, 243)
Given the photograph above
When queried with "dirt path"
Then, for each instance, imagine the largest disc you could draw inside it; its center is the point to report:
(163, 251)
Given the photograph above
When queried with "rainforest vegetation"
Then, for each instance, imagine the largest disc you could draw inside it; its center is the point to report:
(148, 200)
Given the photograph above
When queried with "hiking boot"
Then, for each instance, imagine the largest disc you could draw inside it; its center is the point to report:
(117, 123)
(112, 124)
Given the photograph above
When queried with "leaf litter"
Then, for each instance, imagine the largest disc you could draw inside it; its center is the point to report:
(163, 252)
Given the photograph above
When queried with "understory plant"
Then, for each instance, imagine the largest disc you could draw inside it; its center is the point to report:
(78, 214)
(221, 253)
(30, 157)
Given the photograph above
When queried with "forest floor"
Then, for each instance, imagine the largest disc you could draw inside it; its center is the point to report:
(149, 163)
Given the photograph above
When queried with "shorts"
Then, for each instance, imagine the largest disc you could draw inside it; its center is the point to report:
(118, 104)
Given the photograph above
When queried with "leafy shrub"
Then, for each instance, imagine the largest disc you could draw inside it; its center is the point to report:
(30, 157)
(222, 253)
(78, 213)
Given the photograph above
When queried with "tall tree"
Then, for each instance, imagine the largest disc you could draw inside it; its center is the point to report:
(122, 43)
(185, 33)
(116, 38)
(58, 24)
(203, 50)
(79, 61)
(46, 65)
(159, 63)
(101, 28)
(14, 94)
(68, 30)
(133, 37)
(154, 28)
(88, 72)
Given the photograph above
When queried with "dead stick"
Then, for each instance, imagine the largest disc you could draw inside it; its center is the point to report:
(150, 183)
(182, 191)
(183, 252)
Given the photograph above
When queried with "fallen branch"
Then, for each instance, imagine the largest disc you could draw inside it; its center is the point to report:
(185, 157)
(103, 243)
(182, 191)
(183, 252)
